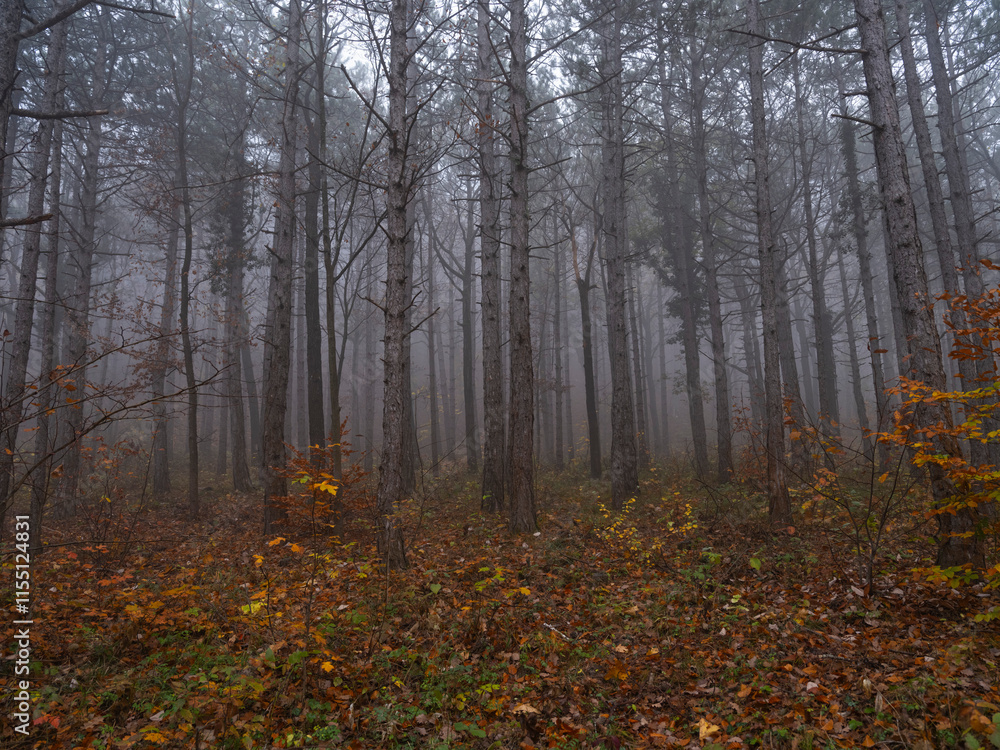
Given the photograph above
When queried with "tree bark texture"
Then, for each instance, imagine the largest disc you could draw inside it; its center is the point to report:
(520, 444)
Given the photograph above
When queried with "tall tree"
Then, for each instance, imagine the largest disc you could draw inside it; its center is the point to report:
(959, 543)
(521, 440)
(395, 412)
(779, 502)
(277, 340)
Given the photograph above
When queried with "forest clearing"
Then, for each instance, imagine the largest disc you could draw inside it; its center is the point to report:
(687, 622)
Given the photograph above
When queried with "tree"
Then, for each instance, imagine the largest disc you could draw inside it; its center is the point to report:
(277, 341)
(779, 502)
(521, 440)
(958, 542)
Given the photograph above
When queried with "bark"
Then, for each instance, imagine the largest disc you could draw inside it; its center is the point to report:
(520, 444)
(277, 341)
(779, 502)
(395, 408)
(958, 541)
(624, 450)
(494, 438)
(11, 14)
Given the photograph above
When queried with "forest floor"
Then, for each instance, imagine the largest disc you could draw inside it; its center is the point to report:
(685, 623)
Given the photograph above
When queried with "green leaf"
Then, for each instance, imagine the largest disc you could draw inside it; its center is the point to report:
(435, 588)
(755, 563)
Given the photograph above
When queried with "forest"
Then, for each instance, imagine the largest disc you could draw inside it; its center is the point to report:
(500, 373)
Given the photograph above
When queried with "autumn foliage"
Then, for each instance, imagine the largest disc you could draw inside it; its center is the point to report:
(667, 626)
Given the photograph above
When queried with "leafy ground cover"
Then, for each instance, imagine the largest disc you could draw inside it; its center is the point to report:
(681, 623)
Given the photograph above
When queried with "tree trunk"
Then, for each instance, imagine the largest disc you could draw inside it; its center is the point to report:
(642, 433)
(558, 343)
(520, 444)
(624, 458)
(723, 420)
(182, 90)
(395, 408)
(779, 502)
(432, 381)
(469, 345)
(77, 321)
(48, 383)
(826, 369)
(277, 341)
(958, 543)
(316, 418)
(860, 405)
(494, 450)
(864, 260)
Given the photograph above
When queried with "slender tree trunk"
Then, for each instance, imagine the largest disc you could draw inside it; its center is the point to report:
(520, 444)
(860, 405)
(958, 542)
(162, 359)
(187, 225)
(494, 448)
(558, 343)
(48, 383)
(314, 334)
(751, 350)
(642, 433)
(779, 502)
(864, 259)
(829, 408)
(723, 420)
(469, 344)
(77, 320)
(432, 382)
(277, 341)
(664, 394)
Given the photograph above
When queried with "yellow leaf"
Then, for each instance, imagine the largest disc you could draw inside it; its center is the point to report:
(296, 548)
(525, 590)
(273, 542)
(327, 666)
(706, 729)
